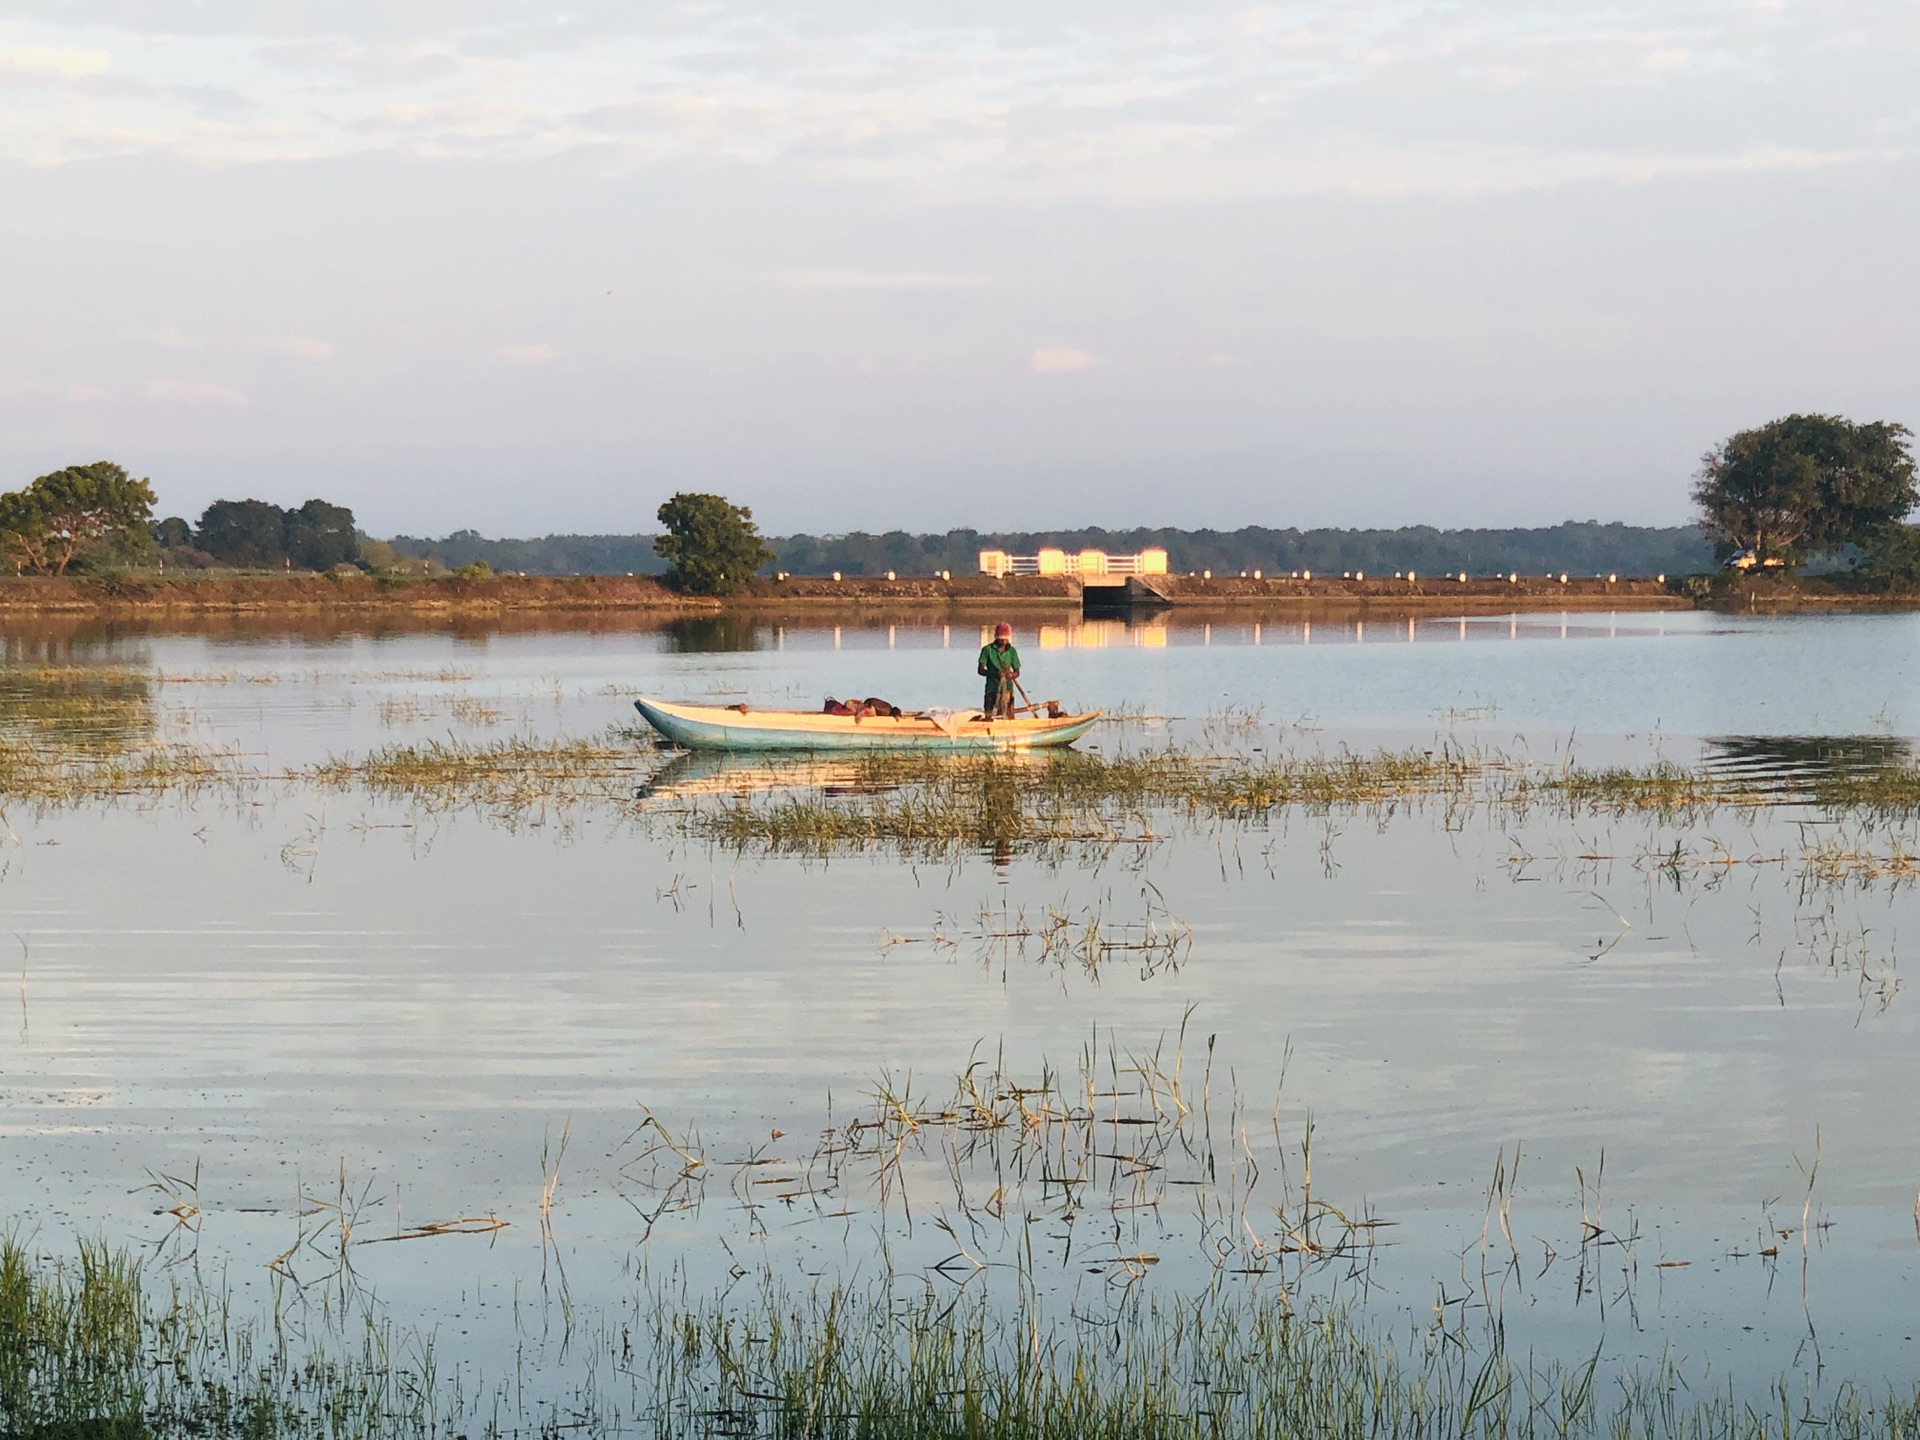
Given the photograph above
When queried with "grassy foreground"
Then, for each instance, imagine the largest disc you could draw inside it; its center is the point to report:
(87, 1350)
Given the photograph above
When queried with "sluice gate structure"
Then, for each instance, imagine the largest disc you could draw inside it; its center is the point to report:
(1109, 584)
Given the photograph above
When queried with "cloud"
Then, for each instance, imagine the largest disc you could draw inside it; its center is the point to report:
(43, 60)
(302, 347)
(82, 394)
(1060, 360)
(540, 354)
(881, 280)
(195, 392)
(1367, 98)
(168, 339)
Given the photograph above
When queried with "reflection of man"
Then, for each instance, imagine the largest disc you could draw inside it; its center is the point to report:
(1000, 663)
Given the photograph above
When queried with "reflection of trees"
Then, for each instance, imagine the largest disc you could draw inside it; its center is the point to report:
(76, 706)
(711, 634)
(1793, 760)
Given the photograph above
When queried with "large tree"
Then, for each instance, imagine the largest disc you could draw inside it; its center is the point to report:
(1804, 484)
(247, 534)
(711, 547)
(70, 512)
(320, 536)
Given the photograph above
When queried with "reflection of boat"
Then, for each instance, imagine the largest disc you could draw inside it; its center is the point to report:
(714, 727)
(696, 774)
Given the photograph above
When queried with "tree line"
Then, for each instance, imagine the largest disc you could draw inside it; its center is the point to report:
(1582, 547)
(1799, 489)
(98, 516)
(1796, 490)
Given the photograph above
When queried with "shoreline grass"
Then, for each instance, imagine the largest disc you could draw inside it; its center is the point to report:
(89, 1352)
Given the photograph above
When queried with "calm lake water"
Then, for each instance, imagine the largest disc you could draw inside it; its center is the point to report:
(297, 994)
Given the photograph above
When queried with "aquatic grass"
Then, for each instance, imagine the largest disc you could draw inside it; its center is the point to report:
(71, 1340)
(80, 707)
(57, 777)
(516, 775)
(1214, 1367)
(920, 802)
(88, 1353)
(916, 803)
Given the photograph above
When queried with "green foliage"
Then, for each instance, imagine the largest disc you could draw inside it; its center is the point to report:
(1889, 558)
(70, 513)
(711, 546)
(70, 1345)
(248, 534)
(319, 536)
(172, 533)
(258, 535)
(1804, 484)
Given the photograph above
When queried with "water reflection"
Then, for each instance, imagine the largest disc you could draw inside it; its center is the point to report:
(1792, 764)
(715, 634)
(78, 706)
(695, 774)
(298, 981)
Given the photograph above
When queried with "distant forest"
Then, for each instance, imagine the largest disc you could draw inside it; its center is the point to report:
(1584, 547)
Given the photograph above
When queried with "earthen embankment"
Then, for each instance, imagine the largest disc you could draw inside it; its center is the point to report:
(523, 600)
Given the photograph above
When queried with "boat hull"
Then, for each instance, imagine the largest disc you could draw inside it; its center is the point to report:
(712, 727)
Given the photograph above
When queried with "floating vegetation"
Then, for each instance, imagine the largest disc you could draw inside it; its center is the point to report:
(1159, 942)
(72, 734)
(77, 706)
(57, 777)
(920, 801)
(512, 776)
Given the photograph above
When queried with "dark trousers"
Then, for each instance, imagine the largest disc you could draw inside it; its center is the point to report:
(999, 690)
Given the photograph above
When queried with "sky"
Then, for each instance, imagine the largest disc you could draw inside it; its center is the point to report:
(865, 265)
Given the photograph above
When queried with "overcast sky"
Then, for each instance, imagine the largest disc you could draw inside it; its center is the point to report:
(865, 263)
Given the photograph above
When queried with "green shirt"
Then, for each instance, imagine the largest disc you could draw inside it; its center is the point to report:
(996, 661)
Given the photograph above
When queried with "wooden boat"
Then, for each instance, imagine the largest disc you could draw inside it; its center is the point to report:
(736, 727)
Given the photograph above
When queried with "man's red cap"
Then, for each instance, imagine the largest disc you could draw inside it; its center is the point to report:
(1003, 628)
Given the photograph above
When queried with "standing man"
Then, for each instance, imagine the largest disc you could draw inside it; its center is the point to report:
(1000, 664)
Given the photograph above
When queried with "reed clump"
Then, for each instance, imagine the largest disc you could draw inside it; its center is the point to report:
(1221, 1366)
(919, 800)
(916, 802)
(56, 777)
(513, 775)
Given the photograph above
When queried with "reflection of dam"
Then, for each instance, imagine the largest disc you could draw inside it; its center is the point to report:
(1064, 629)
(1104, 635)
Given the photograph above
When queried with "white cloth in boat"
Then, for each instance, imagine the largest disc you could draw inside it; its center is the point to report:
(949, 721)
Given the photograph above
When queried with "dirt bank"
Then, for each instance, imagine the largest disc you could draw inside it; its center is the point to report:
(639, 598)
(121, 595)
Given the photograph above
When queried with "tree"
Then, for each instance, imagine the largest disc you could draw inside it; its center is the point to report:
(248, 534)
(1889, 559)
(70, 512)
(711, 546)
(319, 536)
(172, 533)
(1804, 484)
